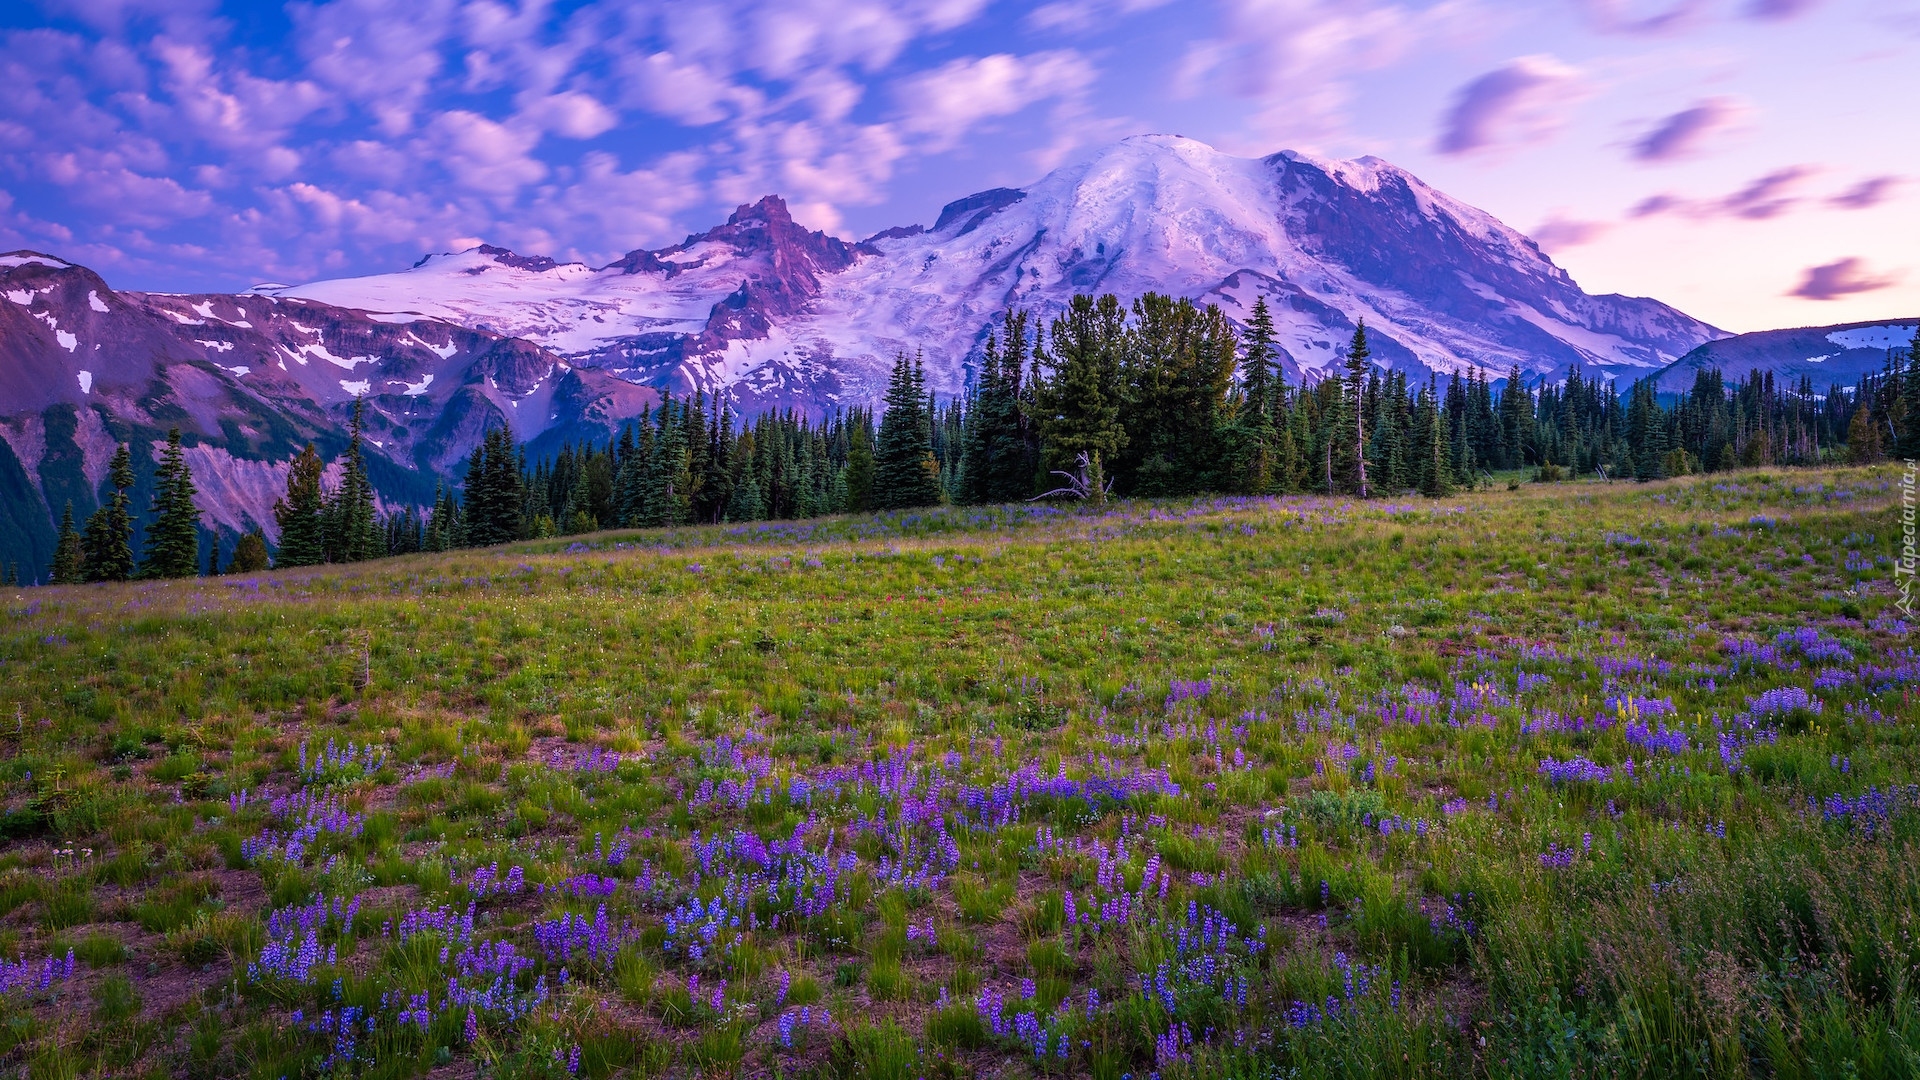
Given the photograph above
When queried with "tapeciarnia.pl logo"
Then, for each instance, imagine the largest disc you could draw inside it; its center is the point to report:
(1903, 568)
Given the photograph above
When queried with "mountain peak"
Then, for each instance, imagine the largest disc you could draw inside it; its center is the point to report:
(770, 210)
(781, 315)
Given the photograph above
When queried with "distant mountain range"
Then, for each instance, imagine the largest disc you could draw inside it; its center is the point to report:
(1827, 355)
(771, 313)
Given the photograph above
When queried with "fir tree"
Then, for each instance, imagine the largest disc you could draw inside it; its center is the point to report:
(904, 473)
(354, 532)
(1357, 366)
(858, 476)
(173, 540)
(249, 554)
(108, 543)
(68, 557)
(1077, 406)
(302, 542)
(743, 502)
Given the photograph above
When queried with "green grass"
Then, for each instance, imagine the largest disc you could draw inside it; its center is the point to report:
(905, 764)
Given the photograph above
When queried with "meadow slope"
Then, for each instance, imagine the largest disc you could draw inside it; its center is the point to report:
(1568, 780)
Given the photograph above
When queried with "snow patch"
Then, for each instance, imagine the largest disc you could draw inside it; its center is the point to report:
(356, 388)
(396, 317)
(86, 382)
(204, 309)
(240, 369)
(348, 362)
(183, 320)
(416, 389)
(67, 341)
(23, 297)
(11, 261)
(94, 301)
(1890, 336)
(1822, 358)
(218, 346)
(441, 351)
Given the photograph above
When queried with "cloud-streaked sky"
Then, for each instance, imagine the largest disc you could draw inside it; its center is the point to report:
(1756, 163)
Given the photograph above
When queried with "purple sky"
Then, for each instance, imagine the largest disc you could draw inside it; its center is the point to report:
(1753, 162)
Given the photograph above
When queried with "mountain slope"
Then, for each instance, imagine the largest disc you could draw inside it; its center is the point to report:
(1828, 355)
(249, 380)
(783, 316)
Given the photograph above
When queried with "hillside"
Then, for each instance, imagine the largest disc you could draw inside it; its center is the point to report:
(1230, 787)
(250, 380)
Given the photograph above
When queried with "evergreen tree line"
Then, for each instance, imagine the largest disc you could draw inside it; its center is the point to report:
(1158, 398)
(103, 549)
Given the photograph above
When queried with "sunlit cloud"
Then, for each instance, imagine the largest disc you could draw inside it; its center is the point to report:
(1687, 132)
(1843, 277)
(1523, 102)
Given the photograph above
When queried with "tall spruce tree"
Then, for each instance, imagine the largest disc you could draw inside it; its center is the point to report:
(108, 542)
(1076, 407)
(173, 540)
(354, 532)
(1358, 367)
(858, 475)
(69, 558)
(302, 541)
(904, 473)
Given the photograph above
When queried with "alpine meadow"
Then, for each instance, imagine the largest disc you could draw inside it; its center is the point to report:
(950, 539)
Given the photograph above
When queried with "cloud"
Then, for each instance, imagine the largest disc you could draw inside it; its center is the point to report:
(572, 115)
(1768, 197)
(1082, 16)
(1523, 102)
(1844, 277)
(1867, 193)
(1683, 134)
(1778, 9)
(943, 104)
(483, 155)
(1629, 17)
(1558, 233)
(681, 89)
(381, 56)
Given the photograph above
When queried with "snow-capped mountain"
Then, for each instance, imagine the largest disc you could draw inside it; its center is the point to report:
(249, 380)
(1828, 355)
(782, 316)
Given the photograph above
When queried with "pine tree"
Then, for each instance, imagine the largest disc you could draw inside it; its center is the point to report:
(298, 514)
(354, 533)
(743, 503)
(68, 557)
(108, 543)
(496, 492)
(1357, 366)
(858, 476)
(904, 473)
(1077, 406)
(173, 540)
(249, 554)
(1435, 471)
